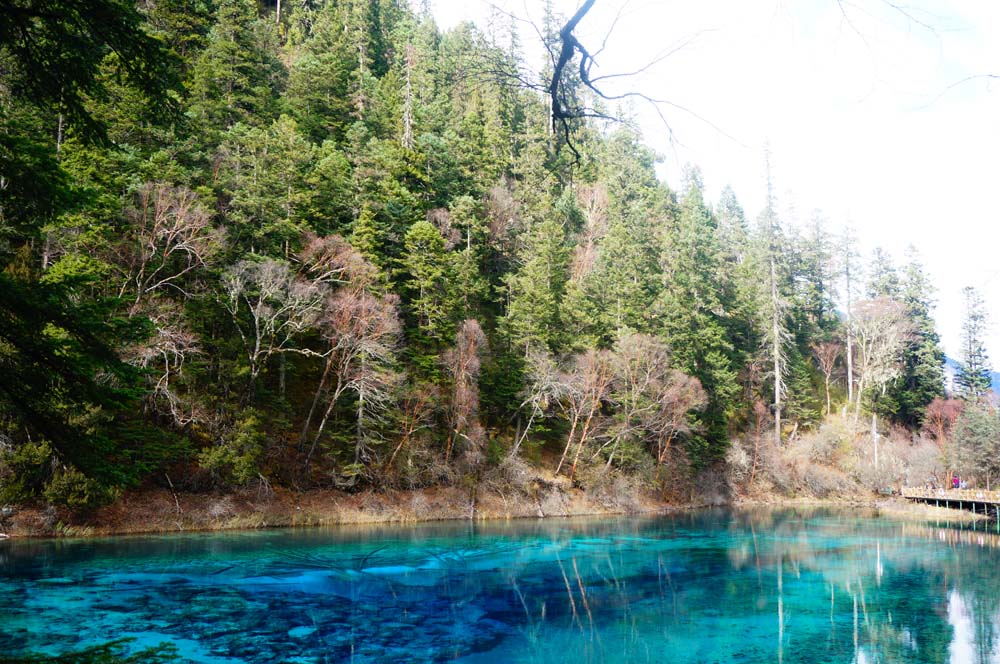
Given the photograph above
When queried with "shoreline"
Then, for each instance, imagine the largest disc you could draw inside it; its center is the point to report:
(160, 511)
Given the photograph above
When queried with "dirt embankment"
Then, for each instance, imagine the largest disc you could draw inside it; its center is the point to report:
(528, 493)
(162, 511)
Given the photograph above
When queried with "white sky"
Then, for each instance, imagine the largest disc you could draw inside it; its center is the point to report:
(862, 106)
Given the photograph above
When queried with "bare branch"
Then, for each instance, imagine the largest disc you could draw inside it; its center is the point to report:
(967, 79)
(173, 237)
(611, 29)
(905, 12)
(652, 63)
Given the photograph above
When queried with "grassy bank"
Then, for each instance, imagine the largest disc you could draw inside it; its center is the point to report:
(162, 511)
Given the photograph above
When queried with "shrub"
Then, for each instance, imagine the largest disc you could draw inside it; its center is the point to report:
(739, 464)
(24, 470)
(73, 489)
(822, 481)
(612, 488)
(236, 460)
(829, 444)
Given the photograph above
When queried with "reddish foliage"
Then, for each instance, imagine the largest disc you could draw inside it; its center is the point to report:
(463, 363)
(941, 416)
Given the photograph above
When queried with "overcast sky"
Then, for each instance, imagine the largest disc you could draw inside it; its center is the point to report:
(862, 102)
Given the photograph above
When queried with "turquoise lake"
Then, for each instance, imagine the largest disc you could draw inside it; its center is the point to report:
(714, 586)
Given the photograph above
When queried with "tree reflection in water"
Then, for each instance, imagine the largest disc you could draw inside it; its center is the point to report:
(749, 586)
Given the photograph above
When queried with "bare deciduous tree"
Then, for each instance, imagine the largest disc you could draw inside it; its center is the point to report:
(681, 394)
(164, 356)
(376, 386)
(589, 378)
(362, 331)
(462, 362)
(881, 329)
(594, 203)
(441, 218)
(547, 388)
(270, 307)
(940, 417)
(653, 400)
(331, 260)
(173, 237)
(826, 353)
(503, 217)
(415, 410)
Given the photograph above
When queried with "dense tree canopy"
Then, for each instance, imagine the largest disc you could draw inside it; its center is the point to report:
(341, 247)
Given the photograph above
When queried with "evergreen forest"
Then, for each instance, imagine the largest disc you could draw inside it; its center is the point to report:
(325, 244)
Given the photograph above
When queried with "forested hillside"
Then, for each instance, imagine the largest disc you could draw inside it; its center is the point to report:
(325, 244)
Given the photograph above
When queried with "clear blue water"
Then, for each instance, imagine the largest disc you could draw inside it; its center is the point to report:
(769, 586)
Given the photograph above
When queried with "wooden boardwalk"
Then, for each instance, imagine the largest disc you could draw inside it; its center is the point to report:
(974, 500)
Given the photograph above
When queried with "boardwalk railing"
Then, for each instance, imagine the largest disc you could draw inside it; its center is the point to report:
(979, 501)
(967, 495)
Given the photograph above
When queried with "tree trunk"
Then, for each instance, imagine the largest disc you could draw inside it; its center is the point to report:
(59, 138)
(359, 425)
(408, 102)
(326, 416)
(875, 439)
(850, 328)
(827, 395)
(664, 448)
(776, 351)
(282, 372)
(579, 445)
(569, 442)
(857, 401)
(316, 397)
(850, 364)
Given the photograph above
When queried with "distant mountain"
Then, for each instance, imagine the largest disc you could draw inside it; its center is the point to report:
(951, 368)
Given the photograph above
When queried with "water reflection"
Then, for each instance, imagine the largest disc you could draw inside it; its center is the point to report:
(752, 586)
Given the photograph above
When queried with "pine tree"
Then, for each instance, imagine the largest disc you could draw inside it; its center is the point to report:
(535, 290)
(973, 379)
(320, 78)
(428, 279)
(54, 52)
(367, 237)
(883, 278)
(471, 288)
(850, 270)
(65, 390)
(329, 207)
(238, 77)
(733, 230)
(740, 275)
(816, 293)
(922, 379)
(264, 179)
(692, 313)
(774, 305)
(975, 443)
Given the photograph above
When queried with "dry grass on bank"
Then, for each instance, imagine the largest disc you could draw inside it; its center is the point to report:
(905, 510)
(515, 490)
(833, 465)
(837, 462)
